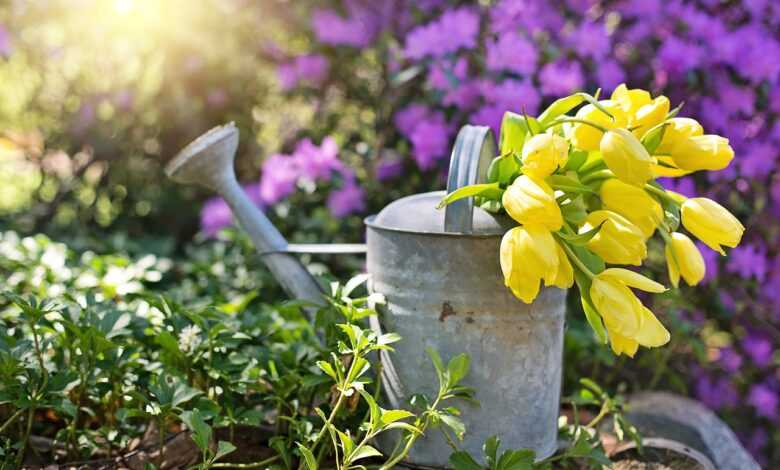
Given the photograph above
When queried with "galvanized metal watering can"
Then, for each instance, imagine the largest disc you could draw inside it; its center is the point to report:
(439, 271)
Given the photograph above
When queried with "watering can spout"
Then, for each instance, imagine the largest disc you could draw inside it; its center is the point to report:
(208, 161)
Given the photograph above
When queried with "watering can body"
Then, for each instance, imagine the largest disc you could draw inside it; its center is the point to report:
(440, 275)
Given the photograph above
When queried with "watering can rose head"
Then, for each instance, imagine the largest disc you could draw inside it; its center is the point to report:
(580, 181)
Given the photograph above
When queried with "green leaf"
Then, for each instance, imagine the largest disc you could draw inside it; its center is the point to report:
(581, 239)
(490, 449)
(376, 413)
(652, 138)
(512, 134)
(347, 445)
(388, 338)
(364, 452)
(391, 416)
(593, 317)
(576, 159)
(559, 107)
(328, 369)
(463, 461)
(311, 461)
(486, 190)
(437, 363)
(201, 432)
(592, 261)
(593, 386)
(458, 367)
(454, 423)
(568, 184)
(522, 459)
(504, 169)
(223, 449)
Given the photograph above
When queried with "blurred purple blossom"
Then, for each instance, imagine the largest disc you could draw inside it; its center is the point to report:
(711, 257)
(214, 216)
(590, 39)
(278, 178)
(5, 42)
(748, 260)
(717, 393)
(317, 163)
(512, 52)
(730, 359)
(561, 78)
(764, 400)
(348, 199)
(453, 30)
(430, 141)
(309, 68)
(758, 348)
(357, 29)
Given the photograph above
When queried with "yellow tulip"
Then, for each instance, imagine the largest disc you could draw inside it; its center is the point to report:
(682, 257)
(585, 137)
(626, 156)
(564, 277)
(618, 241)
(633, 203)
(702, 152)
(528, 254)
(649, 116)
(711, 223)
(676, 130)
(543, 154)
(622, 345)
(621, 310)
(531, 201)
(665, 166)
(630, 100)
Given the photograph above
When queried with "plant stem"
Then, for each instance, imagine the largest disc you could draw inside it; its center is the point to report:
(11, 419)
(577, 121)
(26, 438)
(602, 413)
(259, 464)
(598, 175)
(573, 257)
(412, 438)
(661, 193)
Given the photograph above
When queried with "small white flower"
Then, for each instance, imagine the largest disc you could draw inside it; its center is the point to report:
(190, 339)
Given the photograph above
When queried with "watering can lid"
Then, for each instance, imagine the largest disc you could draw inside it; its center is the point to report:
(418, 214)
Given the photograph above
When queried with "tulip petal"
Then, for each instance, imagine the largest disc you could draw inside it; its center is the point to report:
(622, 345)
(652, 333)
(633, 279)
(671, 264)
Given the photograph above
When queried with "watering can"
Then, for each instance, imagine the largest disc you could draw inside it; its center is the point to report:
(439, 273)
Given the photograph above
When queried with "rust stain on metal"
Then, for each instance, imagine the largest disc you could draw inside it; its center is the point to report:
(446, 311)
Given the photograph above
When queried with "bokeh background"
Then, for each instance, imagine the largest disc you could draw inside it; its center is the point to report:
(344, 106)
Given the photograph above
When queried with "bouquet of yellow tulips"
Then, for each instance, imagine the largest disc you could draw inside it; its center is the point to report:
(582, 189)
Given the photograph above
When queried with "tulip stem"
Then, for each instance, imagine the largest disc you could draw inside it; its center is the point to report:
(573, 257)
(597, 175)
(661, 193)
(575, 120)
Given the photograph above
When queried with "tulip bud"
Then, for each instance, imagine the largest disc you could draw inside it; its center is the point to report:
(649, 116)
(543, 154)
(618, 241)
(682, 257)
(585, 137)
(630, 100)
(564, 277)
(678, 129)
(626, 157)
(620, 308)
(702, 152)
(711, 223)
(528, 254)
(633, 203)
(532, 202)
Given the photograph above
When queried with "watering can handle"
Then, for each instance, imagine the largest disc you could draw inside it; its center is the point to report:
(472, 153)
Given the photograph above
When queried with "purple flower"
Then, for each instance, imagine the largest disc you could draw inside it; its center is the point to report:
(430, 142)
(453, 30)
(590, 39)
(755, 443)
(389, 167)
(347, 200)
(748, 261)
(561, 78)
(710, 262)
(512, 95)
(279, 175)
(759, 160)
(758, 348)
(676, 57)
(511, 51)
(716, 394)
(730, 359)
(5, 42)
(406, 119)
(214, 216)
(317, 163)
(358, 29)
(310, 68)
(489, 115)
(609, 74)
(764, 400)
(684, 185)
(531, 15)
